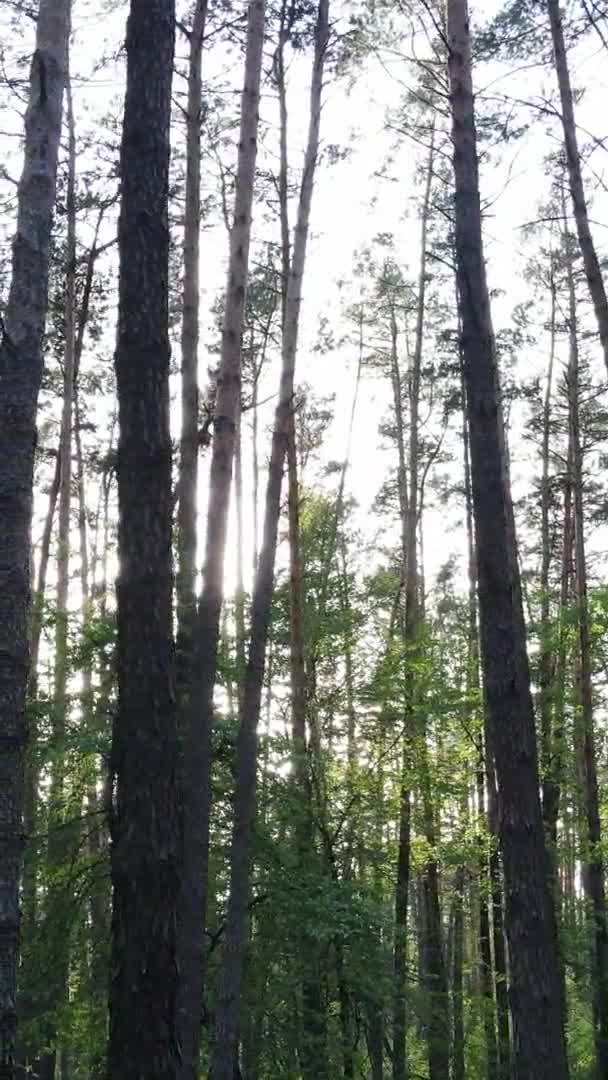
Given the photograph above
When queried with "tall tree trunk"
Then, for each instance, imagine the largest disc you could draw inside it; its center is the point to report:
(545, 662)
(473, 687)
(99, 897)
(591, 264)
(143, 1038)
(32, 769)
(313, 1052)
(197, 761)
(593, 873)
(548, 707)
(188, 461)
(458, 1047)
(313, 1049)
(538, 1022)
(245, 793)
(20, 377)
(60, 838)
(436, 975)
(404, 838)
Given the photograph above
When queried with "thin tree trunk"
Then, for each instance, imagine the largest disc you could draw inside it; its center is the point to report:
(313, 1052)
(61, 839)
(188, 462)
(593, 875)
(538, 1021)
(197, 763)
(99, 895)
(244, 807)
(458, 1062)
(549, 708)
(437, 983)
(404, 838)
(20, 376)
(545, 663)
(143, 1036)
(32, 770)
(591, 263)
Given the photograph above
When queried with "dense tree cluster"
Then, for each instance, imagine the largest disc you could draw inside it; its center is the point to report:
(303, 614)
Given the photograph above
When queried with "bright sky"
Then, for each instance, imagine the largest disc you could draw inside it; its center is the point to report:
(344, 221)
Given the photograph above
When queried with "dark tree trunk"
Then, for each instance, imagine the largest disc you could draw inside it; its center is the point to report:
(538, 1022)
(144, 821)
(20, 377)
(473, 686)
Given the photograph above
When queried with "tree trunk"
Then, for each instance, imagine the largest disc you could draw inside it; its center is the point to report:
(545, 662)
(197, 761)
(538, 1023)
(244, 805)
(143, 1039)
(458, 1063)
(60, 838)
(32, 769)
(188, 461)
(20, 375)
(473, 687)
(313, 1052)
(591, 264)
(593, 872)
(404, 838)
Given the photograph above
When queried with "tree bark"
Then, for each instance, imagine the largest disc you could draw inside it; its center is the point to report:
(538, 1022)
(473, 687)
(143, 1039)
(197, 759)
(20, 376)
(244, 805)
(593, 273)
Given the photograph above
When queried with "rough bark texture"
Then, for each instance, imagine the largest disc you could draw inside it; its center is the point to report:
(591, 264)
(246, 754)
(144, 824)
(20, 376)
(539, 1044)
(197, 759)
(188, 460)
(473, 687)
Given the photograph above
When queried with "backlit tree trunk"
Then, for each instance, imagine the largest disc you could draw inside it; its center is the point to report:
(20, 377)
(246, 755)
(197, 756)
(188, 460)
